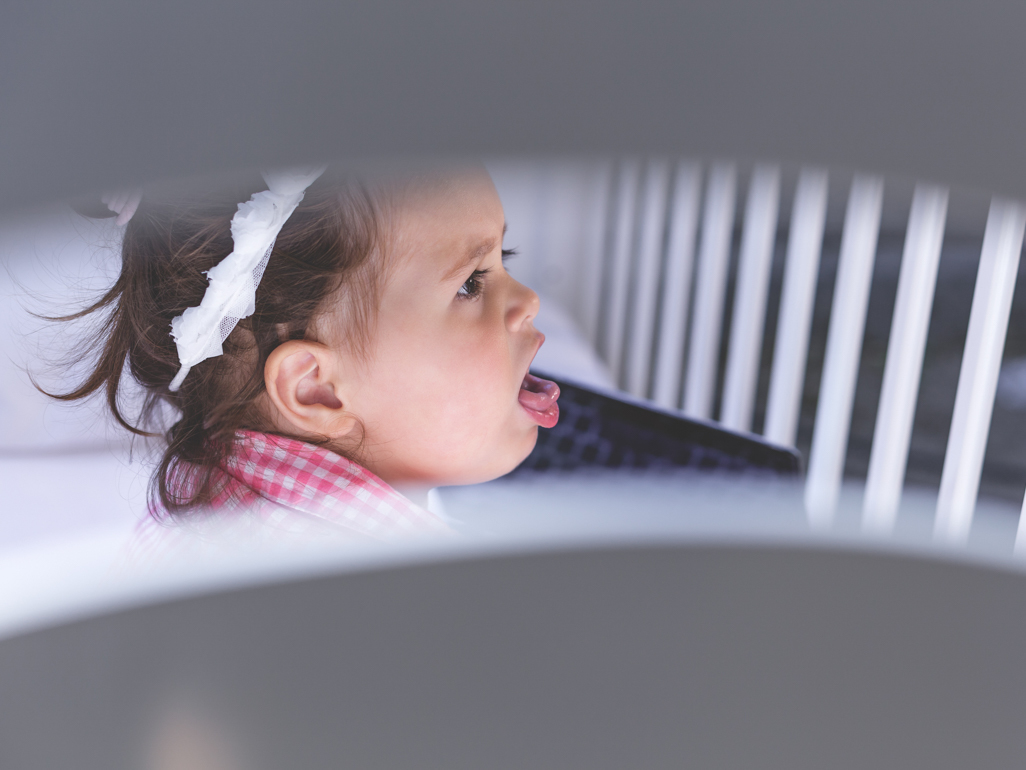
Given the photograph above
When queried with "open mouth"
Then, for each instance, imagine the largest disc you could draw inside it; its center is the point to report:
(538, 398)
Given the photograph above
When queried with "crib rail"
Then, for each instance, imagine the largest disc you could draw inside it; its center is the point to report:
(655, 289)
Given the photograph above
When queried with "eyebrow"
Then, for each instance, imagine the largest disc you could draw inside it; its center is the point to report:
(474, 254)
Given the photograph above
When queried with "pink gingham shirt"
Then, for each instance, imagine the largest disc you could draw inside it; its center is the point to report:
(280, 489)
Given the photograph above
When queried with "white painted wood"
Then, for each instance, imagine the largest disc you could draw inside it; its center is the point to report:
(680, 257)
(843, 348)
(561, 200)
(711, 283)
(646, 277)
(1020, 532)
(903, 369)
(981, 362)
(790, 352)
(596, 211)
(622, 253)
(749, 317)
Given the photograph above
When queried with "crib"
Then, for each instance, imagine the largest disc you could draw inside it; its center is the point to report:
(649, 244)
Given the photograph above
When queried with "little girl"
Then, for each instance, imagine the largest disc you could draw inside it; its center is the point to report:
(381, 349)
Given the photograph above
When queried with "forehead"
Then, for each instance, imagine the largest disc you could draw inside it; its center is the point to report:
(445, 216)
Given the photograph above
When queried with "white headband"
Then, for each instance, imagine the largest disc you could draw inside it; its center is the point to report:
(231, 296)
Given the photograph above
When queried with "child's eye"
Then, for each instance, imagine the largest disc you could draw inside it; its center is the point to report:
(472, 287)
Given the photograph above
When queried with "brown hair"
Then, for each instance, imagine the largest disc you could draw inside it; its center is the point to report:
(322, 254)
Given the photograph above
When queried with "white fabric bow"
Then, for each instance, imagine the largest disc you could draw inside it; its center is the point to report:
(231, 295)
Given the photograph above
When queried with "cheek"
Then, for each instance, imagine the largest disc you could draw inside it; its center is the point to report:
(469, 382)
(450, 393)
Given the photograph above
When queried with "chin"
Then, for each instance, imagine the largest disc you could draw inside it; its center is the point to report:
(525, 449)
(509, 460)
(529, 446)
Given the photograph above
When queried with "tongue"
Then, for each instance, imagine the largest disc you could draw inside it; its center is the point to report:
(538, 395)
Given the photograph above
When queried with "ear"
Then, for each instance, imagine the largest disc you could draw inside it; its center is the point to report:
(302, 380)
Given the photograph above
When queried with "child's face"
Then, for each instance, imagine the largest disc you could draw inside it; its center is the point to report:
(439, 393)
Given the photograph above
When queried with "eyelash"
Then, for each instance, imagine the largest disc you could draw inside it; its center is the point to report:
(473, 286)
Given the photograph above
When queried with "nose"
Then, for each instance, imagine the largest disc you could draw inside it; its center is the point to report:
(522, 308)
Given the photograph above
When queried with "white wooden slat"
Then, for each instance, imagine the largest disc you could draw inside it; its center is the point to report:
(710, 285)
(680, 257)
(843, 348)
(749, 317)
(790, 352)
(981, 362)
(560, 228)
(597, 208)
(1020, 533)
(646, 277)
(917, 280)
(622, 256)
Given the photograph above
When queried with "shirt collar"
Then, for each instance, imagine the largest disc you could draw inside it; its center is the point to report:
(317, 481)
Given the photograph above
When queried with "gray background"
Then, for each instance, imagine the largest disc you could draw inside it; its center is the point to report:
(101, 93)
